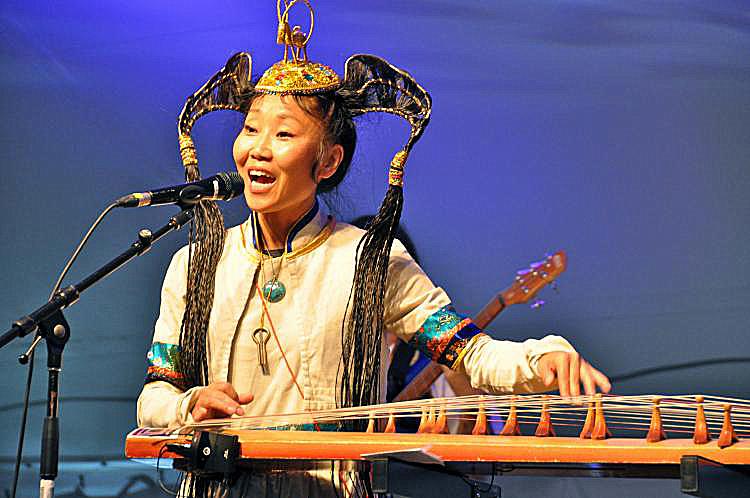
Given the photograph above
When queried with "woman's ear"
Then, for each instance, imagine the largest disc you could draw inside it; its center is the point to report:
(330, 162)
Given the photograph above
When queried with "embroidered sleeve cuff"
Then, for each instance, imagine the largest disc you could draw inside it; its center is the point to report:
(444, 336)
(163, 360)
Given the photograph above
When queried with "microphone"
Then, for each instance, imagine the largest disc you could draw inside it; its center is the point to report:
(224, 186)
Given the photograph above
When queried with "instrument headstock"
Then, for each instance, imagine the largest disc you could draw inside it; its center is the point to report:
(531, 280)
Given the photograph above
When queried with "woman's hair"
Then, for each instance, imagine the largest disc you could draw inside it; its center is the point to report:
(401, 234)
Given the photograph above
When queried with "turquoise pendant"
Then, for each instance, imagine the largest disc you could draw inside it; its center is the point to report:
(274, 291)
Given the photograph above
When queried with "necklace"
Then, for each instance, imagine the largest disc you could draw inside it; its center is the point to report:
(274, 289)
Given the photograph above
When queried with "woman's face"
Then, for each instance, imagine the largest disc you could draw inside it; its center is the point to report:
(275, 154)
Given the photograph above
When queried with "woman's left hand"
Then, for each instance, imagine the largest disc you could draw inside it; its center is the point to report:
(570, 371)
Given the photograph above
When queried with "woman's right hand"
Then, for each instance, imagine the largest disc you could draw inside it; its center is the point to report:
(219, 400)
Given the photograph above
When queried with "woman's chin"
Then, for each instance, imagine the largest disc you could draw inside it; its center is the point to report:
(260, 201)
(257, 205)
(271, 204)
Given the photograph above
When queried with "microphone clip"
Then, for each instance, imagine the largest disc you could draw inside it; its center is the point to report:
(191, 195)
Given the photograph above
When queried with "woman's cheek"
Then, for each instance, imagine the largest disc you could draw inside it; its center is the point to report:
(239, 151)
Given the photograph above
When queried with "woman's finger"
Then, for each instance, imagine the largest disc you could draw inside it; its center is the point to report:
(199, 413)
(587, 377)
(218, 403)
(601, 380)
(245, 398)
(226, 388)
(575, 374)
(562, 366)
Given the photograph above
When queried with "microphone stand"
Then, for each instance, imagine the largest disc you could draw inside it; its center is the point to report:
(51, 326)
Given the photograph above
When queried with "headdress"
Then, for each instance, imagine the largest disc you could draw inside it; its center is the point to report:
(370, 84)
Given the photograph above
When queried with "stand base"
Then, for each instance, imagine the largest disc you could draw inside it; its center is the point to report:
(708, 479)
(392, 478)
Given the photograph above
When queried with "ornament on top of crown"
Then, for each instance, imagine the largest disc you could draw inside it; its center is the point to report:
(295, 74)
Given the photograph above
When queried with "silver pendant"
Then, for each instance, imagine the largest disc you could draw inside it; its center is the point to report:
(260, 337)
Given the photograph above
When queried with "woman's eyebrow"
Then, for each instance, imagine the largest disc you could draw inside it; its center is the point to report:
(280, 116)
(286, 115)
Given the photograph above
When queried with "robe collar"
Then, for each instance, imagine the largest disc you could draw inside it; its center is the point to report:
(308, 230)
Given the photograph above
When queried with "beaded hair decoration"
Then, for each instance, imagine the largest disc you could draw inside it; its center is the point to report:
(370, 84)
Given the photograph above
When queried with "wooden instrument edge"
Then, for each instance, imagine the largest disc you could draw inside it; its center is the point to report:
(259, 444)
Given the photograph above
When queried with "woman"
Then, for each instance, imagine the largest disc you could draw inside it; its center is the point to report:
(288, 316)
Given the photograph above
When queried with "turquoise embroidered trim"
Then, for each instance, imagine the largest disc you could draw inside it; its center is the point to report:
(444, 335)
(163, 360)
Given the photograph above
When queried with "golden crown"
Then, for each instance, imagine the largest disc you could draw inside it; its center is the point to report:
(295, 73)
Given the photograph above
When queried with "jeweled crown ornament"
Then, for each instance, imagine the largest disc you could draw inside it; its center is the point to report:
(295, 73)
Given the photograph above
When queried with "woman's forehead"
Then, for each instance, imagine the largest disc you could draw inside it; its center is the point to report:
(281, 107)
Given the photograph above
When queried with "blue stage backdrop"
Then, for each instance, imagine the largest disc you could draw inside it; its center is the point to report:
(617, 131)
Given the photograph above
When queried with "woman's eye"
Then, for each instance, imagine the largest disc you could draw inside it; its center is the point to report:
(284, 134)
(250, 129)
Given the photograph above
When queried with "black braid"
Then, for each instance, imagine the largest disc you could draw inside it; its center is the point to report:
(223, 90)
(206, 243)
(373, 85)
(362, 332)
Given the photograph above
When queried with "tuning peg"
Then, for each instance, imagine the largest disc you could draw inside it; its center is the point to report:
(537, 304)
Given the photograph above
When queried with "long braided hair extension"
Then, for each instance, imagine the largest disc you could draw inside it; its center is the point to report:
(206, 239)
(206, 244)
(373, 85)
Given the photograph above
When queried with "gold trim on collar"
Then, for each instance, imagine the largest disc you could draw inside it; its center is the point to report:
(316, 242)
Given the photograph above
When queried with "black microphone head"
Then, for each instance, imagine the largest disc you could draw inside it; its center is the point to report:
(232, 185)
(224, 186)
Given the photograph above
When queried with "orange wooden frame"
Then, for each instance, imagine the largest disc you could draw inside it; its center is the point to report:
(259, 444)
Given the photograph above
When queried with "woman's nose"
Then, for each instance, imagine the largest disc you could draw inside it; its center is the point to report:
(260, 149)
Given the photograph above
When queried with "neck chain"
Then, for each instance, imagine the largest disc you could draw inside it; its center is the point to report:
(273, 289)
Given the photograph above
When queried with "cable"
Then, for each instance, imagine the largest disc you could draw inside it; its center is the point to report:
(333, 479)
(475, 485)
(80, 247)
(162, 485)
(677, 366)
(19, 452)
(22, 434)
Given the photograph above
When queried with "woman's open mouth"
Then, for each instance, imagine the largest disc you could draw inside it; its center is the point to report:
(260, 180)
